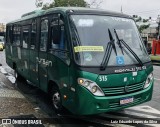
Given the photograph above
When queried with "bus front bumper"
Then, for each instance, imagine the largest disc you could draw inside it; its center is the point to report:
(87, 103)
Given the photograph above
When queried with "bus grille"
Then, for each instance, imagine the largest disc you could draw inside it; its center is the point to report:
(109, 91)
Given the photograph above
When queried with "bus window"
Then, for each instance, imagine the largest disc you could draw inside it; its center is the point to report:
(16, 35)
(44, 35)
(25, 38)
(58, 40)
(33, 35)
(9, 34)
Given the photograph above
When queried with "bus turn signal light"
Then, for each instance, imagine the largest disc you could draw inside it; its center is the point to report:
(65, 97)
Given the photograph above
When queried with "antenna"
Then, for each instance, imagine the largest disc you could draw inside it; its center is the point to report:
(121, 9)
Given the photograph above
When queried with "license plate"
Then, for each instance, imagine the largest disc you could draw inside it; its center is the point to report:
(126, 100)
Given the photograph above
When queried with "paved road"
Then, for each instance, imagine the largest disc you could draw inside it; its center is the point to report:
(23, 100)
(155, 102)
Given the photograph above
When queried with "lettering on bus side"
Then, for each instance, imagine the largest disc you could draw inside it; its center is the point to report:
(44, 62)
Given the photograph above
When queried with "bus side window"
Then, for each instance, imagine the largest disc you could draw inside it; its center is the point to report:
(9, 34)
(33, 35)
(25, 37)
(16, 35)
(44, 35)
(58, 40)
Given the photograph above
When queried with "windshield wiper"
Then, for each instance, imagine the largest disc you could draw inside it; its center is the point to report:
(119, 41)
(112, 41)
(108, 51)
(129, 49)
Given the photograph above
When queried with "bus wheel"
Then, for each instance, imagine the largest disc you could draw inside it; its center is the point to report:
(56, 99)
(17, 75)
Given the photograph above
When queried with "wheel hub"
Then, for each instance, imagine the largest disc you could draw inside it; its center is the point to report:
(56, 100)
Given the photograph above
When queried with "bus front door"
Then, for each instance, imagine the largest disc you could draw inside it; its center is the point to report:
(42, 59)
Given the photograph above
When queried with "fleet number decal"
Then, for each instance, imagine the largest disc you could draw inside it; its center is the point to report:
(102, 78)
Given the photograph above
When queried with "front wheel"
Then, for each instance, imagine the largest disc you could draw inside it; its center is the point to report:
(56, 99)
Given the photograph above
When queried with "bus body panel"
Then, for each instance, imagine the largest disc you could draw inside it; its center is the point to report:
(89, 104)
(58, 70)
(42, 70)
(84, 102)
(33, 67)
(24, 63)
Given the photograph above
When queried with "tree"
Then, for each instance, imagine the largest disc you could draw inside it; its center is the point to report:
(66, 3)
(63, 3)
(143, 27)
(95, 3)
(142, 24)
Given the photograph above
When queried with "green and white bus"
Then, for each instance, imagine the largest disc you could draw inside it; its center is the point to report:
(89, 61)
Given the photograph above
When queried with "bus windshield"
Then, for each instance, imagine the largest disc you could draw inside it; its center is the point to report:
(90, 38)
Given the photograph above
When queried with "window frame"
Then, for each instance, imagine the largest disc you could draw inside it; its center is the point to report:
(31, 28)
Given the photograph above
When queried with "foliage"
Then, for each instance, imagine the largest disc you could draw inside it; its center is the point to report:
(95, 3)
(63, 3)
(138, 19)
(143, 27)
(67, 3)
(141, 23)
(145, 20)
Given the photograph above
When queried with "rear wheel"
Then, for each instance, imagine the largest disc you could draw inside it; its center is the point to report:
(17, 75)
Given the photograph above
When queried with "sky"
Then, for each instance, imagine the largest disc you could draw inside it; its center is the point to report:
(13, 9)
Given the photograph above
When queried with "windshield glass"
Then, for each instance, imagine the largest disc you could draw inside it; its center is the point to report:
(90, 38)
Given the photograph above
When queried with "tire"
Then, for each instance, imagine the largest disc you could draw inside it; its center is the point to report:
(17, 75)
(56, 100)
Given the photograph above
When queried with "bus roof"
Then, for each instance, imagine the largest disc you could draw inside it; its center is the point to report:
(84, 10)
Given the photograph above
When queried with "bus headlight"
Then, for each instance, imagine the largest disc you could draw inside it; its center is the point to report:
(91, 86)
(94, 89)
(148, 81)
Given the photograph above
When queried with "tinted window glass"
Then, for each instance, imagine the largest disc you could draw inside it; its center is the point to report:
(58, 40)
(16, 35)
(9, 34)
(33, 35)
(25, 39)
(44, 35)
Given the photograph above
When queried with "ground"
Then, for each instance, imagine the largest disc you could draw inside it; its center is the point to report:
(18, 100)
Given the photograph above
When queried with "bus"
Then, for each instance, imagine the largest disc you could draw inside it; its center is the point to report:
(89, 61)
